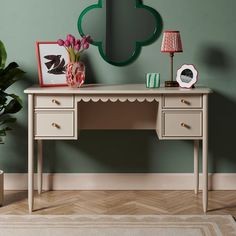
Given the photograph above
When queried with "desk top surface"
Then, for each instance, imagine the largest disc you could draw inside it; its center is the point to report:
(90, 89)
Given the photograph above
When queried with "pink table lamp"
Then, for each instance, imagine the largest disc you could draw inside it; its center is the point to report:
(171, 43)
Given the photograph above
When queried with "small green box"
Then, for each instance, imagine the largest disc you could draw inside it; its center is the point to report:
(153, 80)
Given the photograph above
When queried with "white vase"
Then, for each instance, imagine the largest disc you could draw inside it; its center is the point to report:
(1, 187)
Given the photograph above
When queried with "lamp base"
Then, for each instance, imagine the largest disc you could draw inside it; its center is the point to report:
(171, 84)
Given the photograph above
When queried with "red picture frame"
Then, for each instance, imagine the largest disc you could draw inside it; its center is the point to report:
(52, 60)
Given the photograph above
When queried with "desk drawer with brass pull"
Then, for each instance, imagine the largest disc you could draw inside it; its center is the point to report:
(55, 101)
(182, 101)
(182, 123)
(54, 123)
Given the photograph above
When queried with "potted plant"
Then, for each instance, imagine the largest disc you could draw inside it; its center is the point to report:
(9, 102)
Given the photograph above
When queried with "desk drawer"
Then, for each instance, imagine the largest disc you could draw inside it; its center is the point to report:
(54, 123)
(182, 101)
(57, 101)
(182, 123)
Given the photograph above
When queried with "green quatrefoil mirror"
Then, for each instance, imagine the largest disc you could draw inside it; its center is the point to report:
(119, 28)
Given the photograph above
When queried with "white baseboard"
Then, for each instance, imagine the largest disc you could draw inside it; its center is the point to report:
(156, 181)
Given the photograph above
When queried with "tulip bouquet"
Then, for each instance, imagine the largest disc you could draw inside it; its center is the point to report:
(75, 69)
(75, 46)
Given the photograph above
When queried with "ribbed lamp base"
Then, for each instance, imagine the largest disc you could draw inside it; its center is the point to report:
(171, 84)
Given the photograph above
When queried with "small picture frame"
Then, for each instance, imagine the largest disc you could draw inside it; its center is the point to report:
(52, 60)
(187, 76)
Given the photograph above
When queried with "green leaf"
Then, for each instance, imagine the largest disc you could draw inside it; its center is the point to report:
(17, 98)
(3, 132)
(7, 120)
(12, 107)
(9, 78)
(9, 103)
(77, 56)
(1, 70)
(3, 55)
(72, 54)
(11, 66)
(3, 98)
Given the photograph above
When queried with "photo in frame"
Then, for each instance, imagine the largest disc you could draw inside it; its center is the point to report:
(187, 76)
(52, 60)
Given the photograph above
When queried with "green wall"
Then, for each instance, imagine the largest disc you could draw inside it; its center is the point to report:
(208, 34)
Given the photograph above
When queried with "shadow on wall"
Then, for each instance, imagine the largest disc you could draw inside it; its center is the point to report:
(120, 151)
(134, 73)
(14, 151)
(222, 118)
(222, 110)
(49, 151)
(90, 73)
(216, 58)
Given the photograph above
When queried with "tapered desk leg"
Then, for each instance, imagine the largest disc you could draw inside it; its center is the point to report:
(196, 168)
(30, 154)
(205, 153)
(40, 165)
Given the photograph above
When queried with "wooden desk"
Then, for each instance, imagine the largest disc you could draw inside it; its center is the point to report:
(61, 112)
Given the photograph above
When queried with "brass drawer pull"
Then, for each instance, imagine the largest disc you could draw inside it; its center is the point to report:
(56, 125)
(185, 101)
(55, 101)
(185, 125)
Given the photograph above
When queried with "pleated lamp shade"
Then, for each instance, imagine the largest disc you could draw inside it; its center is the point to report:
(171, 42)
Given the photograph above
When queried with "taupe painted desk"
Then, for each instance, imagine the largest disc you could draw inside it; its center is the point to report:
(61, 112)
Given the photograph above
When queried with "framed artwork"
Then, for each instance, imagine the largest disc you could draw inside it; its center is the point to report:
(187, 76)
(52, 61)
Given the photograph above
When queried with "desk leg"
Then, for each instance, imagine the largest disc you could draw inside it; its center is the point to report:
(30, 153)
(205, 153)
(40, 165)
(196, 169)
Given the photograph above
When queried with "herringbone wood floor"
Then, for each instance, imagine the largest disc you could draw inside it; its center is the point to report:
(120, 202)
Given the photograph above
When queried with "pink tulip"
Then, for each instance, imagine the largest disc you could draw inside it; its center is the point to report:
(77, 41)
(88, 37)
(77, 47)
(84, 40)
(60, 42)
(67, 43)
(71, 39)
(86, 45)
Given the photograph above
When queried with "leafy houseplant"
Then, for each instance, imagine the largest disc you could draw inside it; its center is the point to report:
(9, 103)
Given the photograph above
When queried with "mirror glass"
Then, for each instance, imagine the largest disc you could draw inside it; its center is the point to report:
(120, 28)
(186, 75)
